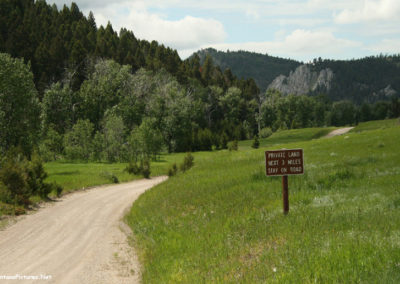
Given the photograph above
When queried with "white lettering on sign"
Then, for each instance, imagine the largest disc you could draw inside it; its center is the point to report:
(294, 162)
(276, 155)
(296, 169)
(284, 162)
(294, 154)
(272, 170)
(273, 163)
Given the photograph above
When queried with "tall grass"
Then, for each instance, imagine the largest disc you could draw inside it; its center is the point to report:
(72, 176)
(222, 221)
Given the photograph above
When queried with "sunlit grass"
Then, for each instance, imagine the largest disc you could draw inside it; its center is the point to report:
(222, 221)
(289, 136)
(73, 176)
(376, 124)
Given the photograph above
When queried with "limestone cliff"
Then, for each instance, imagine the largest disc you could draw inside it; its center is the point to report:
(303, 81)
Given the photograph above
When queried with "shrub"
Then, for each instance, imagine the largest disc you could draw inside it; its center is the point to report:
(36, 176)
(173, 170)
(204, 140)
(187, 162)
(265, 132)
(19, 211)
(146, 168)
(133, 169)
(14, 177)
(6, 209)
(224, 141)
(110, 176)
(233, 145)
(57, 188)
(256, 142)
(20, 179)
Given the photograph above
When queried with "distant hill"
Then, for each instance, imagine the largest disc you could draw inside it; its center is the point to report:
(261, 67)
(367, 79)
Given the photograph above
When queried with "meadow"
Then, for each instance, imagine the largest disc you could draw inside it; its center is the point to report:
(77, 176)
(222, 220)
(74, 176)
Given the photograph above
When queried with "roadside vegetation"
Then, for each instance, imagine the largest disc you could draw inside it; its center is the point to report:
(222, 221)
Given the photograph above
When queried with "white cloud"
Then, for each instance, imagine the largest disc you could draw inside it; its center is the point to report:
(381, 10)
(389, 46)
(300, 29)
(300, 44)
(188, 32)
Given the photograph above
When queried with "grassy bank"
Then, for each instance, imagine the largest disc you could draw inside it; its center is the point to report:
(289, 136)
(74, 176)
(376, 124)
(222, 221)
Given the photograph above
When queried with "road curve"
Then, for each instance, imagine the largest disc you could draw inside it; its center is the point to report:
(339, 131)
(77, 239)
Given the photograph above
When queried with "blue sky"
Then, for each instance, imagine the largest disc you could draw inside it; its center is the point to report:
(297, 29)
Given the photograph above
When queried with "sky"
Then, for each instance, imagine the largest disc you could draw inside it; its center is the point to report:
(296, 29)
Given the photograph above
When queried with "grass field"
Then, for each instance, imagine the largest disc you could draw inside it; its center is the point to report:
(376, 124)
(289, 136)
(222, 221)
(73, 176)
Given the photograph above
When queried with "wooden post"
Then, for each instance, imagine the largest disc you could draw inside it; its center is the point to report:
(285, 194)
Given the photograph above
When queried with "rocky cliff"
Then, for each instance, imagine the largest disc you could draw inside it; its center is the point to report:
(303, 81)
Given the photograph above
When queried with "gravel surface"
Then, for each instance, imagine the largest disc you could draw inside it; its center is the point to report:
(339, 131)
(80, 238)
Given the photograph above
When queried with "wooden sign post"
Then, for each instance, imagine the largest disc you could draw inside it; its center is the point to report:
(284, 163)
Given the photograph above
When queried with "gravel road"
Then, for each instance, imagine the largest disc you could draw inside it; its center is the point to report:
(77, 239)
(339, 131)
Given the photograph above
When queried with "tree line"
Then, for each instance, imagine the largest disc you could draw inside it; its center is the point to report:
(118, 115)
(63, 42)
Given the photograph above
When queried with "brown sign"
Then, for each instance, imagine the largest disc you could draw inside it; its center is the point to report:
(284, 162)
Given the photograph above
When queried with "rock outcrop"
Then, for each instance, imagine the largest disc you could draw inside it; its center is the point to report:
(303, 81)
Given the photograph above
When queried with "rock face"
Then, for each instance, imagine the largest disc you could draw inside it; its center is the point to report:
(302, 81)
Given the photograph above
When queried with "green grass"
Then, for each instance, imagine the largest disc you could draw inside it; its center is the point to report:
(289, 136)
(222, 221)
(73, 176)
(376, 124)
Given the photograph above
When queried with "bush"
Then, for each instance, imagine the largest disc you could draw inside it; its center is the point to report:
(173, 170)
(133, 169)
(146, 168)
(224, 141)
(205, 140)
(265, 132)
(36, 176)
(6, 209)
(19, 211)
(20, 179)
(256, 142)
(233, 145)
(110, 176)
(57, 188)
(13, 175)
(187, 162)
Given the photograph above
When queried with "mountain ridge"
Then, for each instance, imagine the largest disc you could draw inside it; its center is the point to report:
(367, 79)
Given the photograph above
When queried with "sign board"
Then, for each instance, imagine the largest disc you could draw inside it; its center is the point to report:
(284, 162)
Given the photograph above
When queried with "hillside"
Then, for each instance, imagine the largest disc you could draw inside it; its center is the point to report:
(367, 79)
(262, 68)
(222, 221)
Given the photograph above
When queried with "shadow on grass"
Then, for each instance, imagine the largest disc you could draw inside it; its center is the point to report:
(68, 173)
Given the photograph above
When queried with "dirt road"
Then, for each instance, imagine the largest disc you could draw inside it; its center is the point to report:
(78, 239)
(339, 131)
